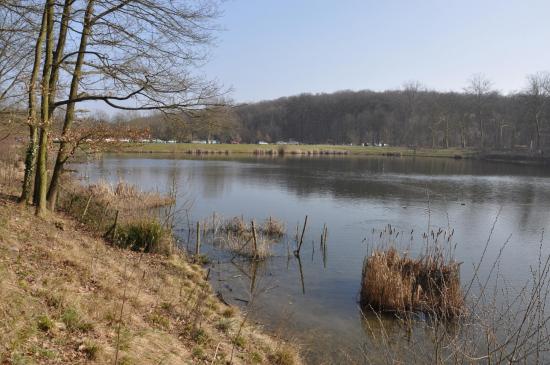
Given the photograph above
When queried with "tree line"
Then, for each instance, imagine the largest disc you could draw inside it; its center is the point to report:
(477, 117)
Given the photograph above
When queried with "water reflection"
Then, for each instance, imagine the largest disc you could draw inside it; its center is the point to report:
(314, 298)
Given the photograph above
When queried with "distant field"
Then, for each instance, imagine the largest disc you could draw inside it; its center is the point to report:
(272, 149)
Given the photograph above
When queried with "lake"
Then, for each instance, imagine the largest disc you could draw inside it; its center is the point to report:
(314, 301)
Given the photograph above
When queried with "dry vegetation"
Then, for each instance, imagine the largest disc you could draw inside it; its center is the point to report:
(394, 282)
(247, 240)
(125, 196)
(271, 227)
(70, 296)
(485, 321)
(243, 245)
(299, 150)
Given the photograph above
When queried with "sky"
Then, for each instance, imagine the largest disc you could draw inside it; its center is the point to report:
(273, 48)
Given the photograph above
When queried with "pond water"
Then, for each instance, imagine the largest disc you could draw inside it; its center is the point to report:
(314, 301)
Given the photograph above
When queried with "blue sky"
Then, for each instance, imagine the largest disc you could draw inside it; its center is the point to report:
(273, 48)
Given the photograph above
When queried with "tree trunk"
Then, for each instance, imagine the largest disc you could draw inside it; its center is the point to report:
(57, 57)
(482, 136)
(64, 147)
(41, 179)
(446, 133)
(537, 129)
(30, 156)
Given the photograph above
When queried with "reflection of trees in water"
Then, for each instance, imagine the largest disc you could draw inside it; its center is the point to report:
(403, 179)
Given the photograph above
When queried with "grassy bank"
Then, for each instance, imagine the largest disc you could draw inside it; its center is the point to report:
(254, 149)
(71, 294)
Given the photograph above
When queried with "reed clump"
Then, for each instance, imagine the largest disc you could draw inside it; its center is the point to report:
(126, 196)
(245, 245)
(263, 151)
(201, 151)
(250, 240)
(236, 226)
(398, 283)
(273, 227)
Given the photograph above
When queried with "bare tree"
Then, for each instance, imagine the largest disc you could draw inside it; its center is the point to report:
(537, 93)
(479, 86)
(17, 77)
(412, 90)
(14, 62)
(215, 120)
(131, 55)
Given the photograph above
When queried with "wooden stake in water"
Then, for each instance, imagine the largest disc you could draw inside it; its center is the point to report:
(254, 240)
(198, 245)
(297, 252)
(324, 244)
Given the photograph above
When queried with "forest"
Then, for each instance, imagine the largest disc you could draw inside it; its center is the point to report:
(478, 117)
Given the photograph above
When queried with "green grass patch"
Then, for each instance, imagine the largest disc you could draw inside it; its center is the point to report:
(146, 235)
(239, 341)
(74, 321)
(44, 323)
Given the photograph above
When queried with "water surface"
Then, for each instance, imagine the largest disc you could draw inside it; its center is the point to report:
(314, 300)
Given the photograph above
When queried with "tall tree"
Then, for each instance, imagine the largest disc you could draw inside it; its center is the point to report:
(537, 94)
(131, 55)
(479, 87)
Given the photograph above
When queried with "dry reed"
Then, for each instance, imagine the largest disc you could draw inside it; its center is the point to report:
(124, 195)
(273, 227)
(394, 282)
(243, 245)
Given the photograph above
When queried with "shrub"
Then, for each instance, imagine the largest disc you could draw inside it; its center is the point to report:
(146, 235)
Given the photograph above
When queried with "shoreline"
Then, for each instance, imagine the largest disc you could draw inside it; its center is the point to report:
(272, 150)
(72, 296)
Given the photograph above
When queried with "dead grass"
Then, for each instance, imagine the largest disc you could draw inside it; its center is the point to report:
(125, 196)
(236, 226)
(67, 297)
(273, 227)
(243, 245)
(398, 283)
(11, 168)
(237, 236)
